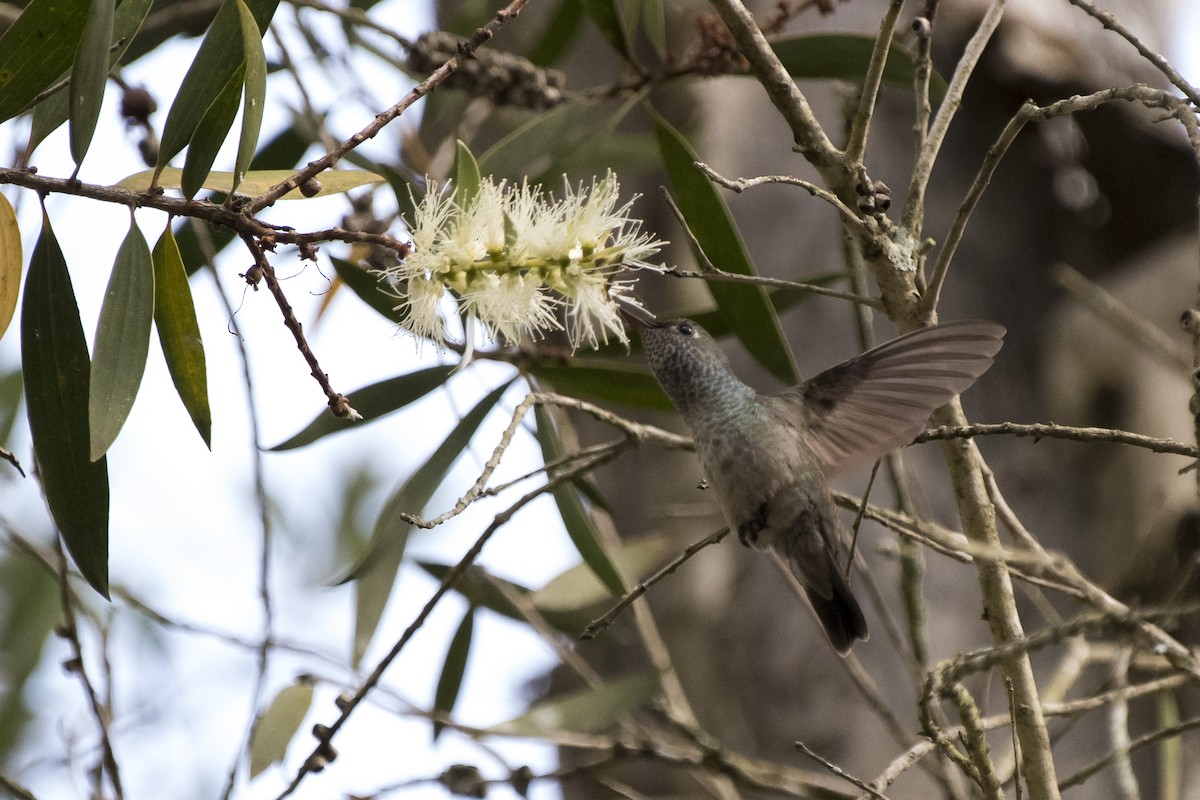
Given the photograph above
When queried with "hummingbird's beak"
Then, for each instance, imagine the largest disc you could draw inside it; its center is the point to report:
(634, 314)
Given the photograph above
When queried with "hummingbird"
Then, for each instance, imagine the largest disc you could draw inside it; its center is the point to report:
(769, 458)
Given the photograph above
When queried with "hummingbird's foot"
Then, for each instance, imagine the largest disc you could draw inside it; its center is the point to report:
(748, 530)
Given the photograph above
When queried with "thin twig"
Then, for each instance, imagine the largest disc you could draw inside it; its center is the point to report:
(481, 37)
(599, 624)
(1124, 320)
(838, 771)
(740, 185)
(1113, 24)
(1137, 744)
(856, 143)
(1050, 430)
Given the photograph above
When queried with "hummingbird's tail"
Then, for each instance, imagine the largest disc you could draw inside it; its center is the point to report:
(840, 615)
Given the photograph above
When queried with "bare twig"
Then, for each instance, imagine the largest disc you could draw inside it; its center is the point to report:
(599, 624)
(481, 37)
(1137, 744)
(856, 144)
(740, 185)
(1050, 430)
(838, 771)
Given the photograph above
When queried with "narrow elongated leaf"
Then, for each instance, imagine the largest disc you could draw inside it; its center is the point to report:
(585, 711)
(845, 56)
(11, 260)
(578, 522)
(255, 93)
(453, 669)
(89, 75)
(122, 340)
(577, 589)
(52, 112)
(479, 588)
(556, 36)
(604, 14)
(209, 136)
(255, 181)
(179, 333)
(372, 402)
(375, 574)
(38, 48)
(610, 382)
(219, 56)
(744, 307)
(275, 727)
(466, 175)
(54, 362)
(368, 288)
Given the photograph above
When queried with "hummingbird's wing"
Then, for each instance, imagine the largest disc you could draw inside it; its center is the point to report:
(863, 408)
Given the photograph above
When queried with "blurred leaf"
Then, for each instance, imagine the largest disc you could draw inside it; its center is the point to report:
(372, 402)
(31, 608)
(585, 711)
(557, 34)
(219, 57)
(744, 307)
(604, 14)
(89, 74)
(466, 176)
(275, 727)
(38, 48)
(610, 382)
(578, 522)
(845, 56)
(369, 288)
(654, 21)
(453, 669)
(53, 111)
(11, 260)
(255, 94)
(54, 362)
(11, 390)
(122, 340)
(207, 139)
(179, 333)
(256, 181)
(375, 573)
(577, 589)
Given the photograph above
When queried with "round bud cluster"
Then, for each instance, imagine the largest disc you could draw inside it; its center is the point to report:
(504, 78)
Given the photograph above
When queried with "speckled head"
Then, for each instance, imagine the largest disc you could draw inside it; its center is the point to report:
(687, 362)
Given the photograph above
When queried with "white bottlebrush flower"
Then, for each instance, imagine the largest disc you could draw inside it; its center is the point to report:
(512, 256)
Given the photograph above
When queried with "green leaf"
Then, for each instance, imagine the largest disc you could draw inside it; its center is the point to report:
(219, 57)
(654, 22)
(845, 56)
(577, 589)
(368, 287)
(609, 382)
(375, 574)
(53, 111)
(209, 136)
(557, 34)
(578, 522)
(179, 333)
(255, 181)
(466, 176)
(11, 260)
(453, 669)
(585, 711)
(54, 362)
(604, 14)
(255, 93)
(89, 74)
(275, 727)
(372, 402)
(38, 48)
(744, 307)
(122, 340)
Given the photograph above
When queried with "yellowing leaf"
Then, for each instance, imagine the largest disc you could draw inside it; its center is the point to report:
(256, 181)
(179, 333)
(11, 259)
(275, 727)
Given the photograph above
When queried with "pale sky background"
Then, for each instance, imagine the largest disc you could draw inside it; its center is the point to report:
(184, 531)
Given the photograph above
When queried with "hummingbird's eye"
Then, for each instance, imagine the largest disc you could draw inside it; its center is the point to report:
(687, 329)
